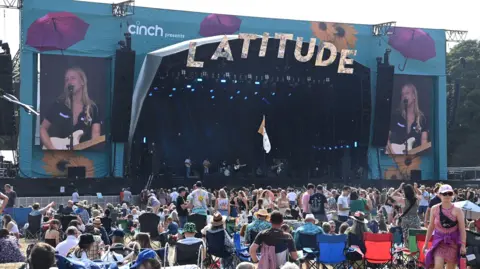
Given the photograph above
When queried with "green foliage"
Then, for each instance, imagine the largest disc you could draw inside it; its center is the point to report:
(464, 134)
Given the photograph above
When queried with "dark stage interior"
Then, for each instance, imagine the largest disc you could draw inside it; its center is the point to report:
(317, 119)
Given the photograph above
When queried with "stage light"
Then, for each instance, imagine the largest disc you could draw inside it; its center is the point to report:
(257, 82)
(256, 93)
(150, 94)
(341, 147)
(213, 97)
(170, 95)
(155, 89)
(245, 98)
(144, 140)
(347, 146)
(199, 79)
(189, 86)
(211, 90)
(193, 89)
(355, 144)
(235, 81)
(273, 94)
(223, 81)
(329, 148)
(336, 147)
(174, 89)
(238, 92)
(231, 97)
(290, 94)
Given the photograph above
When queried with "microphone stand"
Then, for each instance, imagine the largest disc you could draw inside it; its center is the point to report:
(72, 126)
(12, 99)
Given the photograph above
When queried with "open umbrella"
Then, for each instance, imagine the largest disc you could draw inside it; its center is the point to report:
(412, 43)
(216, 24)
(471, 210)
(56, 31)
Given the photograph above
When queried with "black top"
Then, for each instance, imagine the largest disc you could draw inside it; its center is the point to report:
(398, 129)
(317, 203)
(12, 196)
(435, 201)
(277, 238)
(181, 212)
(59, 117)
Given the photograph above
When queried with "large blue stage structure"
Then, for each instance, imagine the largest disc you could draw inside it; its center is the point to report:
(156, 29)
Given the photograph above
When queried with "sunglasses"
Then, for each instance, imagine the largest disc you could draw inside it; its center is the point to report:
(447, 194)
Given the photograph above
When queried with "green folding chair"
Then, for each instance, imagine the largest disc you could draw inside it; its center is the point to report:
(412, 238)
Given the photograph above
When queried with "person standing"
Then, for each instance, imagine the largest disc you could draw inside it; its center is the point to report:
(188, 167)
(182, 206)
(12, 197)
(127, 196)
(198, 200)
(343, 204)
(206, 167)
(317, 204)
(306, 199)
(75, 197)
(447, 231)
(292, 197)
(423, 204)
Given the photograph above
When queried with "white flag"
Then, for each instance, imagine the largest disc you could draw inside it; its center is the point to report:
(263, 131)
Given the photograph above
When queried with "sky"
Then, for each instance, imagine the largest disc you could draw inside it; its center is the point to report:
(438, 14)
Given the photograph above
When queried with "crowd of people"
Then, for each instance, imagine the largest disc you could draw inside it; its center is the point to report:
(267, 221)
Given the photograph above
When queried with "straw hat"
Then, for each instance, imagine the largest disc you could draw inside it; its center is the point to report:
(262, 213)
(82, 204)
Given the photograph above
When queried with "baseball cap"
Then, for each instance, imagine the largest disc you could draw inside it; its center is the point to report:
(144, 255)
(445, 188)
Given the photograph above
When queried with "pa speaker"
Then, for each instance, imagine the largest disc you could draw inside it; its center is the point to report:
(76, 172)
(122, 95)
(416, 175)
(7, 120)
(383, 105)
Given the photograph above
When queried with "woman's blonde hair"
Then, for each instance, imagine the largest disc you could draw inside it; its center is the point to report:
(222, 194)
(419, 116)
(87, 102)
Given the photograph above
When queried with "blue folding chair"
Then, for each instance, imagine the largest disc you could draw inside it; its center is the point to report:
(241, 251)
(332, 250)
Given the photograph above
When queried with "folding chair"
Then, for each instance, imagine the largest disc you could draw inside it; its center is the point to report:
(152, 229)
(230, 226)
(34, 230)
(473, 248)
(241, 251)
(217, 253)
(356, 251)
(189, 254)
(200, 222)
(409, 254)
(332, 250)
(378, 249)
(421, 240)
(309, 245)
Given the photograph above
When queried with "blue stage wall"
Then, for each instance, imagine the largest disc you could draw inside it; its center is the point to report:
(105, 31)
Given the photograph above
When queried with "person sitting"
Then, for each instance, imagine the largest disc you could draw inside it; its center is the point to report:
(42, 256)
(327, 229)
(189, 231)
(36, 210)
(85, 244)
(356, 231)
(82, 212)
(309, 228)
(10, 249)
(118, 238)
(68, 210)
(95, 252)
(69, 243)
(11, 225)
(97, 223)
(288, 214)
(52, 235)
(259, 224)
(147, 259)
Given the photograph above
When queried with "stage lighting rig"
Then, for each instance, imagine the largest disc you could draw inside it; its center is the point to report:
(15, 4)
(123, 9)
(5, 48)
(383, 29)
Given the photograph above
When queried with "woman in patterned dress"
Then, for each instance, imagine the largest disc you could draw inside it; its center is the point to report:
(447, 231)
(409, 219)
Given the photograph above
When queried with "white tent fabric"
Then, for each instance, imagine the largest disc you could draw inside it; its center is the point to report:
(471, 210)
(149, 69)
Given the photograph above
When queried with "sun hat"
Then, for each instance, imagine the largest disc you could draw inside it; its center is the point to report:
(262, 213)
(445, 188)
(97, 222)
(144, 255)
(217, 219)
(360, 217)
(311, 217)
(190, 227)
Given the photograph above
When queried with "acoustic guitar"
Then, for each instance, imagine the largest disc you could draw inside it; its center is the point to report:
(64, 143)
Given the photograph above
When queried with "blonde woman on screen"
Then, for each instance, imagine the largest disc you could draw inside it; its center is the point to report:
(408, 126)
(57, 122)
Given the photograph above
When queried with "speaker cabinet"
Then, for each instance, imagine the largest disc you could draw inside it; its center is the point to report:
(7, 119)
(416, 175)
(122, 95)
(383, 105)
(77, 172)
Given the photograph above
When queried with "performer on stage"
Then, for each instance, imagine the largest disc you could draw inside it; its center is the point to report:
(206, 166)
(74, 100)
(408, 124)
(188, 167)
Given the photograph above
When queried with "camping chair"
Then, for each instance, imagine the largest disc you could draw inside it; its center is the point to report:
(189, 254)
(34, 230)
(230, 226)
(410, 253)
(309, 245)
(356, 250)
(200, 222)
(122, 225)
(252, 237)
(378, 249)
(152, 229)
(420, 262)
(241, 251)
(332, 250)
(217, 252)
(473, 248)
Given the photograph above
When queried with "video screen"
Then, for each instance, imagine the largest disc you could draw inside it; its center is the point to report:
(73, 94)
(410, 117)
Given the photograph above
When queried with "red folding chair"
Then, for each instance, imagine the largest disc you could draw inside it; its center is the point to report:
(378, 249)
(420, 243)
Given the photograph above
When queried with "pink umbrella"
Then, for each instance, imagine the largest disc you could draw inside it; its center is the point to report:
(412, 43)
(216, 24)
(56, 31)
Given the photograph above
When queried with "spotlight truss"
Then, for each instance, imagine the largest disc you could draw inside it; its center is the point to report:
(455, 35)
(383, 29)
(16, 68)
(15, 4)
(123, 9)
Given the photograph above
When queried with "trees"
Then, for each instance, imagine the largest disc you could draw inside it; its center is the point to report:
(464, 127)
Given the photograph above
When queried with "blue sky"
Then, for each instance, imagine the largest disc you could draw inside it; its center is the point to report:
(439, 14)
